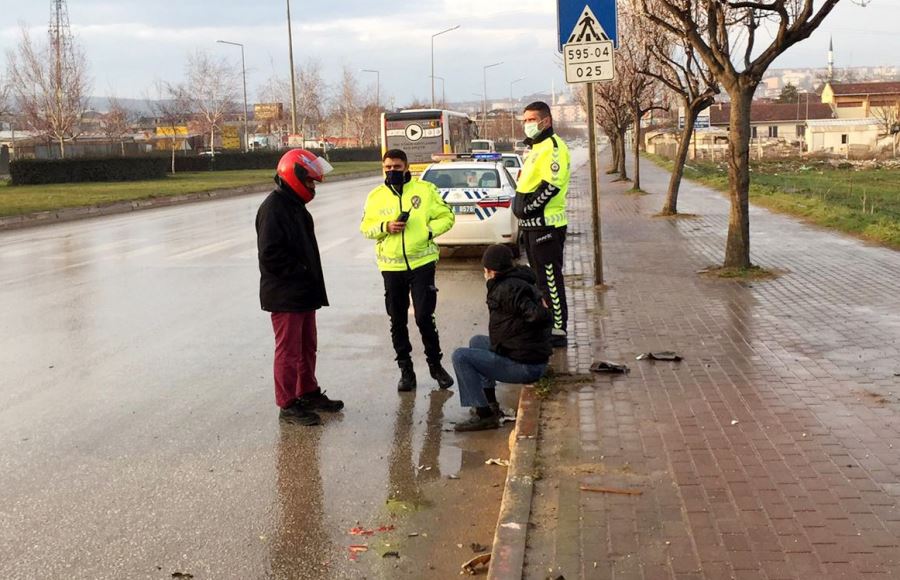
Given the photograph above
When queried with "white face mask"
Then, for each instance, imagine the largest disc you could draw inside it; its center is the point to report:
(532, 129)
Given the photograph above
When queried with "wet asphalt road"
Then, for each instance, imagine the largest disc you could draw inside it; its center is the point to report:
(138, 429)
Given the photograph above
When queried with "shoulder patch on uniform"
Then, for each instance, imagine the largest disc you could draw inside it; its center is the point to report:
(416, 201)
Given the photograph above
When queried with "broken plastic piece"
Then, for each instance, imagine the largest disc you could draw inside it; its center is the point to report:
(612, 368)
(476, 565)
(666, 355)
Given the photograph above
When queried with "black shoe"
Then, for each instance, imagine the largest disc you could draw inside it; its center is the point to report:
(319, 401)
(559, 338)
(443, 378)
(407, 377)
(495, 407)
(297, 415)
(479, 423)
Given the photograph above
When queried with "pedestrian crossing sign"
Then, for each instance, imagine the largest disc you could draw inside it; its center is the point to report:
(582, 21)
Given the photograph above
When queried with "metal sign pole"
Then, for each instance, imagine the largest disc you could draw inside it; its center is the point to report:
(595, 186)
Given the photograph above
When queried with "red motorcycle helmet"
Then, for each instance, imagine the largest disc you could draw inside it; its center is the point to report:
(297, 165)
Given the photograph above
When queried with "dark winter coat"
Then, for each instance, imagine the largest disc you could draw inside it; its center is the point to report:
(519, 323)
(291, 278)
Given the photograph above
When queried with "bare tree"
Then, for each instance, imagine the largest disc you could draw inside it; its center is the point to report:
(49, 88)
(5, 101)
(311, 99)
(889, 121)
(116, 122)
(641, 88)
(172, 106)
(214, 87)
(615, 115)
(724, 35)
(690, 80)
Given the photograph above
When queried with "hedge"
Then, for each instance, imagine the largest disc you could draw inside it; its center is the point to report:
(38, 171)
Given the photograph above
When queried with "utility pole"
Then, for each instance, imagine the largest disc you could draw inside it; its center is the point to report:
(595, 189)
(512, 112)
(432, 58)
(484, 97)
(293, 83)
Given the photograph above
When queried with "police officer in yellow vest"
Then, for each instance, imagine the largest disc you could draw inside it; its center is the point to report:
(404, 216)
(540, 205)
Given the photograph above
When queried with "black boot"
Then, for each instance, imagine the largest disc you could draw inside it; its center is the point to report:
(485, 418)
(407, 376)
(319, 401)
(443, 378)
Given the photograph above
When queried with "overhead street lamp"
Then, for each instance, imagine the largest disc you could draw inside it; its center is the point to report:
(246, 140)
(293, 84)
(512, 111)
(377, 84)
(443, 94)
(484, 94)
(432, 58)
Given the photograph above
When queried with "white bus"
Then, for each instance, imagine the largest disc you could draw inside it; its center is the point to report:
(422, 133)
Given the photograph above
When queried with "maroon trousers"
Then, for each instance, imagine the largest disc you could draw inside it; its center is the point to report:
(295, 355)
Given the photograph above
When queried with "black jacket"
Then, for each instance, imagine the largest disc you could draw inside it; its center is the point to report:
(291, 278)
(519, 325)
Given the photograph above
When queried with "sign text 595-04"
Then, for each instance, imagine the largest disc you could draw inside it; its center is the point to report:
(589, 53)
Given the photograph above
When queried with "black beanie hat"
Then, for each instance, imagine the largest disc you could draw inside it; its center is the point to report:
(498, 258)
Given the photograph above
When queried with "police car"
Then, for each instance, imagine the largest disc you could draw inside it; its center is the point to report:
(479, 190)
(513, 163)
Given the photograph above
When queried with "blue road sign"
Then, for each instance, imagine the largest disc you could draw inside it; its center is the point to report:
(586, 21)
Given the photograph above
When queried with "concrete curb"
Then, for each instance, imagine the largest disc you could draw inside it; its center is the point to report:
(508, 551)
(77, 213)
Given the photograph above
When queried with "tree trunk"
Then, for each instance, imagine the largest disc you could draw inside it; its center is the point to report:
(737, 246)
(623, 173)
(212, 143)
(636, 134)
(173, 153)
(690, 117)
(62, 148)
(614, 154)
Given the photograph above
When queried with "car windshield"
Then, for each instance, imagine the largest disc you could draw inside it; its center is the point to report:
(458, 177)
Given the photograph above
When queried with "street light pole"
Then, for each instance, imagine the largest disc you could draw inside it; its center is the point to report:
(293, 84)
(484, 96)
(512, 112)
(432, 58)
(377, 84)
(246, 140)
(443, 94)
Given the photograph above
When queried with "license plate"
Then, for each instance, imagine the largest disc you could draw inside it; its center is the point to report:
(463, 209)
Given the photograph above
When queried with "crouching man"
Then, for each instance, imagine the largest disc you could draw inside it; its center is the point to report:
(518, 347)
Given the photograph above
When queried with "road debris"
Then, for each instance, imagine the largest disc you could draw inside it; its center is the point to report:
(452, 476)
(666, 355)
(357, 549)
(611, 368)
(500, 462)
(476, 565)
(618, 490)
(476, 547)
(360, 531)
(391, 554)
(183, 575)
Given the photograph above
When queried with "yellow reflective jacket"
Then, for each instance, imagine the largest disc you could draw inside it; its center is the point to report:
(429, 217)
(543, 184)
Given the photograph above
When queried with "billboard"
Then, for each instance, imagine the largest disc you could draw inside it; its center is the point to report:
(268, 111)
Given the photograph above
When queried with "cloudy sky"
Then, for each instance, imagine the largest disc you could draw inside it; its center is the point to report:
(130, 44)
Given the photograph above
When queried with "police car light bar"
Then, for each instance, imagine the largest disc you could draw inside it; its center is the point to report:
(466, 157)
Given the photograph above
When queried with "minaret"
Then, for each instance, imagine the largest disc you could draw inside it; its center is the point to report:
(830, 59)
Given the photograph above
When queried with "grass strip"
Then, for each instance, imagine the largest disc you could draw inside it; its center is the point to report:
(25, 199)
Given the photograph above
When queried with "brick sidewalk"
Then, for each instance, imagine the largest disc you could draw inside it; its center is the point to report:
(769, 451)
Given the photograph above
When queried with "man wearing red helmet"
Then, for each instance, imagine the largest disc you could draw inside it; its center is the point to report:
(292, 286)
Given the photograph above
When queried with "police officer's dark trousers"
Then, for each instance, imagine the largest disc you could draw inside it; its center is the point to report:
(544, 248)
(398, 286)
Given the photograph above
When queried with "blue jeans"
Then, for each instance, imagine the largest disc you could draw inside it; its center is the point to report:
(478, 368)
